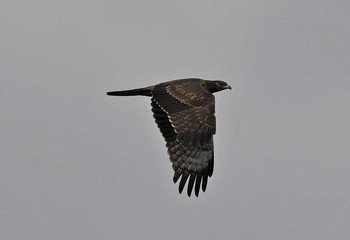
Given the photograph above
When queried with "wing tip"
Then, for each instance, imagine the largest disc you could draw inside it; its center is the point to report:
(195, 183)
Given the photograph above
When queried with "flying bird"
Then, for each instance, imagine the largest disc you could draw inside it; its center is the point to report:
(184, 111)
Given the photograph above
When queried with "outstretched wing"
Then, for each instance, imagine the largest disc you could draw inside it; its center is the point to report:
(184, 113)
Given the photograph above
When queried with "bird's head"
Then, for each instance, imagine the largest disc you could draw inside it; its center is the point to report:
(215, 86)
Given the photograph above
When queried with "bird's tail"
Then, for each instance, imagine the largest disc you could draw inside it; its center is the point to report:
(147, 91)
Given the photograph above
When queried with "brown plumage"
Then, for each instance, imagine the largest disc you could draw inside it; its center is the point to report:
(184, 111)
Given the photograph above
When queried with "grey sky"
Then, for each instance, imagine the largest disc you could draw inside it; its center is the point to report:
(77, 164)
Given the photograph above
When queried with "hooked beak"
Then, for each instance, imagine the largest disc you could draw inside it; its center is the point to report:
(228, 87)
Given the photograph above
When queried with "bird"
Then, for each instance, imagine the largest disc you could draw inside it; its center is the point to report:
(184, 111)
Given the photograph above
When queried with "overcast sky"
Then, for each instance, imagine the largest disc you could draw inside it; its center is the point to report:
(77, 164)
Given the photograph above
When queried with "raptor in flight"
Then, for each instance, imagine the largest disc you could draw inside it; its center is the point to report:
(184, 111)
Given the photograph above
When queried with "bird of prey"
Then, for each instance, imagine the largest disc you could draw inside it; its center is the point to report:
(184, 111)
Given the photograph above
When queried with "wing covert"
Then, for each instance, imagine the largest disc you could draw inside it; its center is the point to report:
(191, 110)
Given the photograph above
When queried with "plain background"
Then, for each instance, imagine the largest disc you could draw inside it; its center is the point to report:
(77, 164)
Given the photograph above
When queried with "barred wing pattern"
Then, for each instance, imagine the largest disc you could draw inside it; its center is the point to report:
(184, 113)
